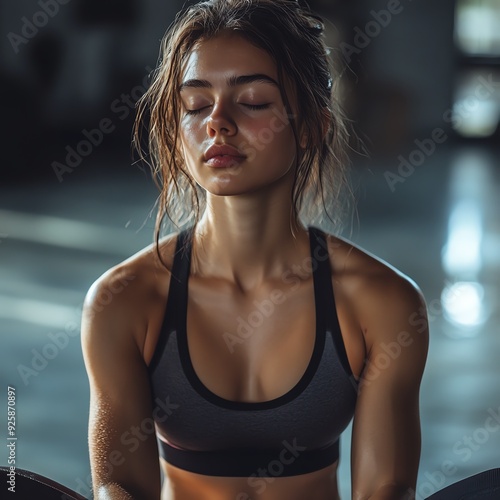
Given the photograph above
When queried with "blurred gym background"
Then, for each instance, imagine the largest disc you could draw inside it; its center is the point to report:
(421, 82)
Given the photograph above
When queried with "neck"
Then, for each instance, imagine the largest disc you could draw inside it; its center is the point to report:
(248, 243)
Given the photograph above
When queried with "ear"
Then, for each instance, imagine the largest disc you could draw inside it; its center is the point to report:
(325, 119)
(303, 140)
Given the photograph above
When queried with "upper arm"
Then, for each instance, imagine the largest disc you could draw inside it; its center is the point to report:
(122, 441)
(386, 436)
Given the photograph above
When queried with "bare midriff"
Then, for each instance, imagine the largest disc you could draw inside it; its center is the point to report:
(180, 484)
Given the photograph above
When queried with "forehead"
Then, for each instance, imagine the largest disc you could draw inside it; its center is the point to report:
(226, 55)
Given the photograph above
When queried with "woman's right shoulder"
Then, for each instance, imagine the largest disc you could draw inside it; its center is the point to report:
(141, 270)
(124, 296)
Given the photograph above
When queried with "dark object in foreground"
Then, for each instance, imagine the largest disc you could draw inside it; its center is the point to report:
(482, 486)
(30, 486)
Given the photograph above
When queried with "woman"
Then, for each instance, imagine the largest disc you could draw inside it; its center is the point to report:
(292, 331)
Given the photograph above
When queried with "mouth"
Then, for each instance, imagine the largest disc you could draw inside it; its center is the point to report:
(222, 151)
(225, 161)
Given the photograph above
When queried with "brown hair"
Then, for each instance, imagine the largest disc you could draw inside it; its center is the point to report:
(292, 35)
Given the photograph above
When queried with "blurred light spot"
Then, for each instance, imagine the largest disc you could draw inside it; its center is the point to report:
(464, 299)
(470, 184)
(476, 27)
(482, 121)
(476, 102)
(463, 306)
(462, 252)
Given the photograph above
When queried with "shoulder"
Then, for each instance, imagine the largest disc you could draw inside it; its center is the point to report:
(121, 300)
(132, 277)
(384, 299)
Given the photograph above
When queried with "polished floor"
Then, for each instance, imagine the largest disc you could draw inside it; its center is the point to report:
(440, 225)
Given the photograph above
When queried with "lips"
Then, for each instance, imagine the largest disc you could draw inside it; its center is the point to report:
(222, 150)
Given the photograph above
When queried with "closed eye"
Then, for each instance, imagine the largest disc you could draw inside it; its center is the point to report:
(195, 111)
(256, 106)
(249, 106)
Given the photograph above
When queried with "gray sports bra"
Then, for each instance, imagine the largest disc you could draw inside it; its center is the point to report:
(293, 434)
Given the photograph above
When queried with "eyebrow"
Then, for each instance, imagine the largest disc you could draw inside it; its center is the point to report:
(232, 81)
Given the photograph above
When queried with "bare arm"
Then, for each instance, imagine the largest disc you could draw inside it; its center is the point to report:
(122, 443)
(386, 437)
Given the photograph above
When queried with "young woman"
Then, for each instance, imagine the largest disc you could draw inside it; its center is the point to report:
(231, 354)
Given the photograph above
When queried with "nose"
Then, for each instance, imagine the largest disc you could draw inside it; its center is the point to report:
(220, 121)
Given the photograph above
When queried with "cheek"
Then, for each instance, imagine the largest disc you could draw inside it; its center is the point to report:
(187, 132)
(188, 135)
(270, 133)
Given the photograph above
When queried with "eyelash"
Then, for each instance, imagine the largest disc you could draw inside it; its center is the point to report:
(253, 107)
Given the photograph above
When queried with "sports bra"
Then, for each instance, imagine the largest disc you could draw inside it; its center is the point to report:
(295, 433)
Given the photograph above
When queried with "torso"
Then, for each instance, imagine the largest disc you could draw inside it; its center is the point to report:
(278, 351)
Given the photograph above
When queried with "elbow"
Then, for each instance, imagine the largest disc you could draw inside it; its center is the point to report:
(386, 491)
(112, 491)
(115, 491)
(392, 491)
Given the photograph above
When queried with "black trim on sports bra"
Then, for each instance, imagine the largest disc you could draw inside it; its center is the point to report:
(223, 463)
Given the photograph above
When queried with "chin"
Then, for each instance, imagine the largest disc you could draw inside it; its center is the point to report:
(232, 182)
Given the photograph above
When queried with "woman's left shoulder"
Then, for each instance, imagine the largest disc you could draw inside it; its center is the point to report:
(367, 270)
(381, 295)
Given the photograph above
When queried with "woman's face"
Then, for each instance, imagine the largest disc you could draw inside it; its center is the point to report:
(230, 96)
